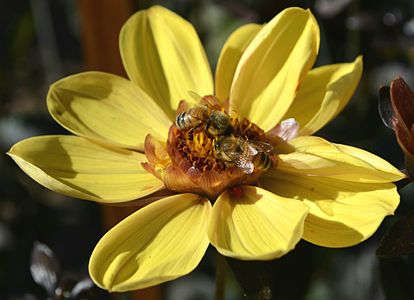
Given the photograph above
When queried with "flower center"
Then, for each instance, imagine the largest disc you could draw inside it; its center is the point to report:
(206, 138)
(209, 150)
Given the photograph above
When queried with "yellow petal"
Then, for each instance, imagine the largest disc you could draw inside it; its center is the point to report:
(159, 242)
(377, 162)
(108, 107)
(230, 56)
(316, 156)
(323, 94)
(80, 168)
(161, 53)
(251, 223)
(273, 65)
(342, 213)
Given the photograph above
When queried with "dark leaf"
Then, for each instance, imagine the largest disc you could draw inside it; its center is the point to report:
(44, 267)
(276, 279)
(385, 107)
(397, 278)
(403, 182)
(399, 240)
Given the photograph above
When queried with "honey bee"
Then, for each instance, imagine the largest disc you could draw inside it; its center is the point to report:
(248, 155)
(216, 122)
(192, 118)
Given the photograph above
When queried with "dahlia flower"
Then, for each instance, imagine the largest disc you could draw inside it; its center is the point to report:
(140, 139)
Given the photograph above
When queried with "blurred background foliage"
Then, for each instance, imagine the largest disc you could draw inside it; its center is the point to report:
(41, 41)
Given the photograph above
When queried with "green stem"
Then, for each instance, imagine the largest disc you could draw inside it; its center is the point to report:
(221, 267)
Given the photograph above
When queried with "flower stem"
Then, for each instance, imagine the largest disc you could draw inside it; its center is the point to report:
(221, 267)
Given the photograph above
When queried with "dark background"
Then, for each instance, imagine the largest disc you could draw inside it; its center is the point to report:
(41, 41)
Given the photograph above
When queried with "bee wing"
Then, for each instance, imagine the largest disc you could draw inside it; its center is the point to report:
(249, 149)
(260, 146)
(44, 267)
(210, 101)
(194, 96)
(245, 164)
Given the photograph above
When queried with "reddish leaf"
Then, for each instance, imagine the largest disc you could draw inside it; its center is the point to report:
(402, 99)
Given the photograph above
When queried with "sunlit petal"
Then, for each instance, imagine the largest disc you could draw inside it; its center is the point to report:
(108, 107)
(342, 213)
(158, 243)
(230, 56)
(162, 53)
(316, 156)
(251, 223)
(323, 94)
(377, 162)
(80, 168)
(271, 68)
